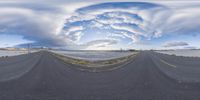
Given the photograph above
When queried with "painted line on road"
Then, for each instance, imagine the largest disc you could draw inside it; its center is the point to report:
(167, 63)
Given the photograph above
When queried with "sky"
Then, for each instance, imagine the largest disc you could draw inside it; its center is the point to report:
(100, 24)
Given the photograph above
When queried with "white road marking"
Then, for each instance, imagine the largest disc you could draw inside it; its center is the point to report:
(168, 63)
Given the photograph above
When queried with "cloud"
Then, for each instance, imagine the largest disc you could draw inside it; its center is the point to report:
(100, 44)
(37, 22)
(175, 44)
(71, 23)
(190, 47)
(75, 36)
(104, 42)
(97, 44)
(130, 19)
(32, 25)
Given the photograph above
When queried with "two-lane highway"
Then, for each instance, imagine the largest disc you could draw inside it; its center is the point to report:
(48, 78)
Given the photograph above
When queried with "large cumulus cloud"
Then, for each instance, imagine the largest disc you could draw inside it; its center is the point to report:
(34, 25)
(37, 22)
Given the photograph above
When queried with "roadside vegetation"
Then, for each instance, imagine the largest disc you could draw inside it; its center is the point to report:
(96, 66)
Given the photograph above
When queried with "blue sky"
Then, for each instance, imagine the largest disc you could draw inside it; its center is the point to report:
(100, 25)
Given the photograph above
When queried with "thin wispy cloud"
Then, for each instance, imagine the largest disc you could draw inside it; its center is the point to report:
(175, 44)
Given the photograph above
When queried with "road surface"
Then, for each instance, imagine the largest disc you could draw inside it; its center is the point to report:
(150, 76)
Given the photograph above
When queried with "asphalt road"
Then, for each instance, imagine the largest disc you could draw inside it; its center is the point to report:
(150, 76)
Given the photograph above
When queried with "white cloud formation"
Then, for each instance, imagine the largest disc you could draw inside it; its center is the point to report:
(43, 21)
(97, 44)
(175, 44)
(38, 22)
(119, 19)
(75, 36)
(31, 24)
(73, 29)
(183, 21)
